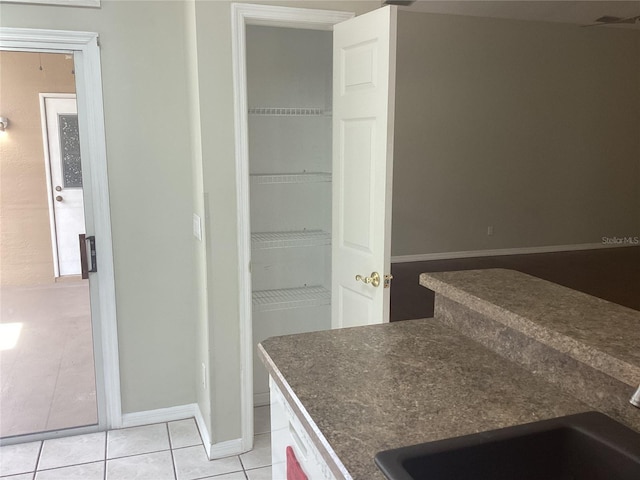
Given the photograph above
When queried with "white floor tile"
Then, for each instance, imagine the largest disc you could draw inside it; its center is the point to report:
(24, 476)
(150, 466)
(184, 433)
(260, 456)
(192, 463)
(87, 471)
(137, 440)
(261, 420)
(263, 473)
(21, 458)
(228, 476)
(63, 452)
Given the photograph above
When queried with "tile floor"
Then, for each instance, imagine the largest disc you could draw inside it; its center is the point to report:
(163, 451)
(46, 358)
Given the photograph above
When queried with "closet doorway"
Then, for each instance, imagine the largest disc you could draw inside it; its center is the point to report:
(283, 145)
(289, 79)
(314, 133)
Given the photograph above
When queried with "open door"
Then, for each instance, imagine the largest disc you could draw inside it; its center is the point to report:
(364, 57)
(64, 172)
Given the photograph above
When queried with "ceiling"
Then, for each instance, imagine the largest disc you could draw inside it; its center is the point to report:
(566, 11)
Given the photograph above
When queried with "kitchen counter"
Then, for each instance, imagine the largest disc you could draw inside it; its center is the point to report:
(360, 390)
(586, 346)
(596, 332)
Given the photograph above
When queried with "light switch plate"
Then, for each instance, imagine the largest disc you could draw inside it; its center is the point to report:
(197, 227)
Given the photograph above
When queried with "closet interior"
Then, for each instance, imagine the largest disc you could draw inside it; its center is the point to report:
(289, 87)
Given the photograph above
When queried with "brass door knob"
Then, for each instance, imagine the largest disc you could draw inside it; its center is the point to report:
(58, 198)
(374, 279)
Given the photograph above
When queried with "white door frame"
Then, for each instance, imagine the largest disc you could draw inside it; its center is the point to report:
(86, 51)
(243, 14)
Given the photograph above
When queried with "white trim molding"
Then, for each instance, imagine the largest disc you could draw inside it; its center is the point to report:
(425, 257)
(171, 414)
(243, 14)
(161, 415)
(204, 431)
(227, 448)
(86, 53)
(287, 17)
(182, 412)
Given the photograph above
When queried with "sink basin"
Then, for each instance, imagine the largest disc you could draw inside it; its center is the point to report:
(586, 446)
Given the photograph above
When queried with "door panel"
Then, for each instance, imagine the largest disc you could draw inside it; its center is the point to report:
(357, 157)
(355, 307)
(363, 109)
(62, 139)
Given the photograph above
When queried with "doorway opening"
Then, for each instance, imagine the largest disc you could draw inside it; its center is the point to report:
(46, 357)
(92, 299)
(281, 166)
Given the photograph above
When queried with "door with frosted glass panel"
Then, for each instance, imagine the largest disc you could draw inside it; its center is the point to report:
(65, 189)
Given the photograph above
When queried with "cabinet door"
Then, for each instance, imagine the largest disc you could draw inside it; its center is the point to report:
(364, 51)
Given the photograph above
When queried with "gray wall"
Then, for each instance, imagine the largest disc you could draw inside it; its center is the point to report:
(213, 31)
(532, 128)
(177, 298)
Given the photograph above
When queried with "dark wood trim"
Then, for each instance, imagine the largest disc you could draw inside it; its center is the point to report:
(609, 273)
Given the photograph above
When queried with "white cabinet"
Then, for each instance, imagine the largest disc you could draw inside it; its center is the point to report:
(287, 431)
(289, 79)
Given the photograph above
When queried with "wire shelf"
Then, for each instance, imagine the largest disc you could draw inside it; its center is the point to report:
(305, 177)
(284, 299)
(304, 238)
(289, 111)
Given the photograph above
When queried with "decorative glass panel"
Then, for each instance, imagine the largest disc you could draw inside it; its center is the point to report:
(70, 151)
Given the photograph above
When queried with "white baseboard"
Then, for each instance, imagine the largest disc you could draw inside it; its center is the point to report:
(226, 449)
(501, 251)
(204, 430)
(160, 415)
(221, 449)
(181, 412)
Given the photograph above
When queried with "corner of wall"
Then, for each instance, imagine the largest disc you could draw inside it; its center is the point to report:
(202, 365)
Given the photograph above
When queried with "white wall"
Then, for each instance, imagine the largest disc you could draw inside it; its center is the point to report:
(149, 163)
(532, 128)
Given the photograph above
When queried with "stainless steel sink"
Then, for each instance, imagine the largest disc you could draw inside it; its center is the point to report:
(586, 446)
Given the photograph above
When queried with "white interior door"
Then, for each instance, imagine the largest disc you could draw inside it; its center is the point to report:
(364, 51)
(63, 142)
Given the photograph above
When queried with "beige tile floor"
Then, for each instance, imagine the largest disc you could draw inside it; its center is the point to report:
(171, 451)
(46, 358)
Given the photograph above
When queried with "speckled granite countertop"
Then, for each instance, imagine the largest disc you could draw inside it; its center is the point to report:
(361, 390)
(601, 334)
